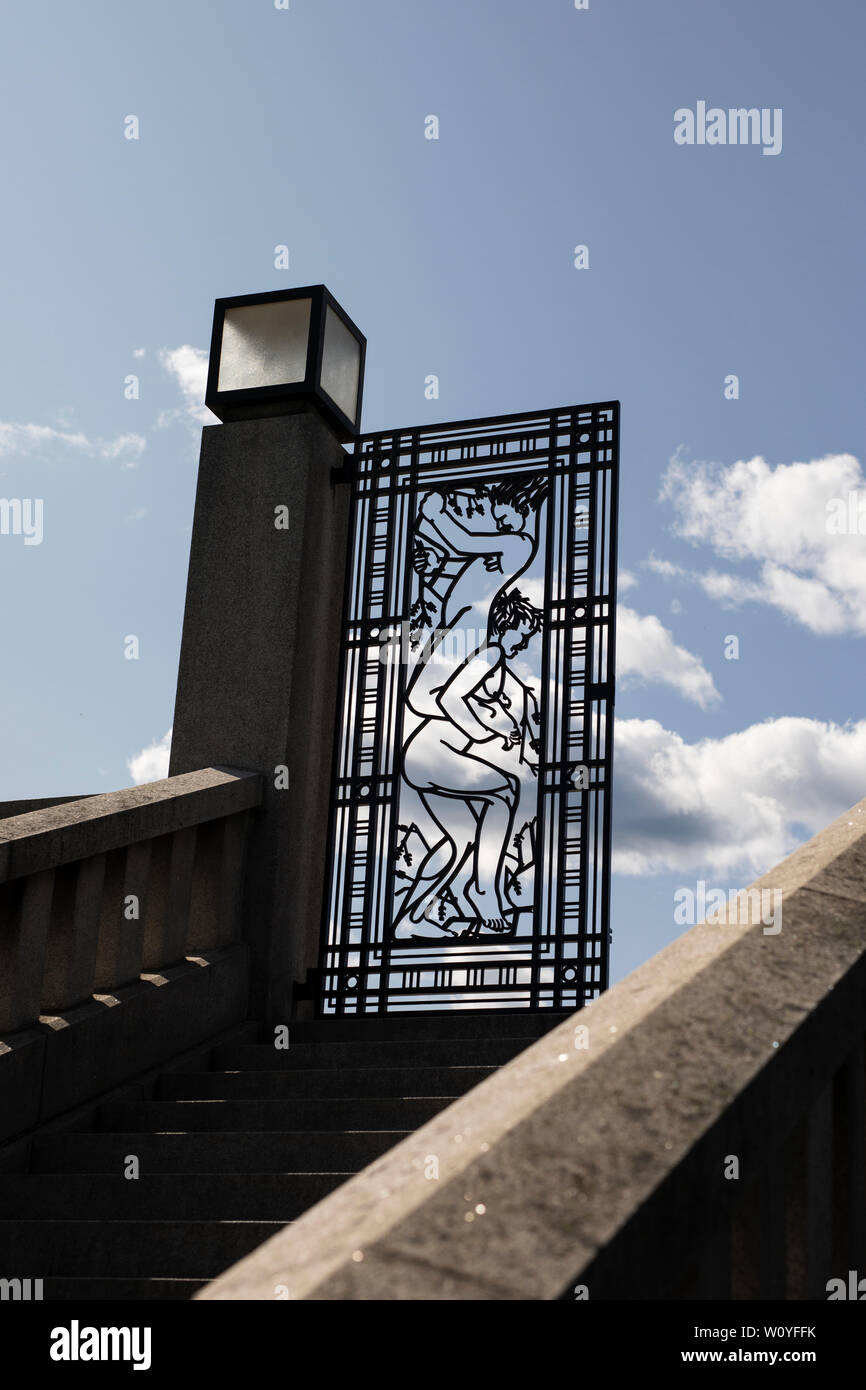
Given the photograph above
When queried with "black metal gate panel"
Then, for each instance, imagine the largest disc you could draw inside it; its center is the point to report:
(470, 821)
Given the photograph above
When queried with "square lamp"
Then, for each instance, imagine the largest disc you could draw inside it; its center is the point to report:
(276, 353)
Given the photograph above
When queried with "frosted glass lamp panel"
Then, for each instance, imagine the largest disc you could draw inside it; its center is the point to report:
(341, 365)
(264, 345)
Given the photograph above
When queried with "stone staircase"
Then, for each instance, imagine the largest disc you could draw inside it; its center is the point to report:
(227, 1156)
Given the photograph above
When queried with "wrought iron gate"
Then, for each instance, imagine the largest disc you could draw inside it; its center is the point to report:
(470, 822)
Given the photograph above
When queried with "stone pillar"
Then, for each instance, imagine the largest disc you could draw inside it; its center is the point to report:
(259, 665)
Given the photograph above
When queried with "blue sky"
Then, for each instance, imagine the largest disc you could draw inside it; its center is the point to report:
(305, 127)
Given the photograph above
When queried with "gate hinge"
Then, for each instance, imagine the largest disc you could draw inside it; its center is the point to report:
(347, 472)
(310, 987)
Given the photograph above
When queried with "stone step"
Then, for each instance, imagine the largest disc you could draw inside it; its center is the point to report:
(379, 1082)
(459, 1023)
(118, 1290)
(164, 1196)
(231, 1155)
(255, 1116)
(429, 1052)
(196, 1153)
(60, 1290)
(127, 1249)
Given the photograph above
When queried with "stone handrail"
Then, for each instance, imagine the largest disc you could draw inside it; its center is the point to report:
(696, 1132)
(94, 893)
(103, 897)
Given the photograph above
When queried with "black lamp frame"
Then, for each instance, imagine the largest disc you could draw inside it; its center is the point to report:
(284, 398)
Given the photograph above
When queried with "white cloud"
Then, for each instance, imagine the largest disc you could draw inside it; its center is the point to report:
(737, 804)
(23, 439)
(151, 764)
(28, 438)
(188, 366)
(138, 352)
(666, 568)
(645, 650)
(777, 519)
(729, 589)
(130, 446)
(626, 580)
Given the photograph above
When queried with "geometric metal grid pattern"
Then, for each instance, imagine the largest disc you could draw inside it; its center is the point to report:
(470, 835)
